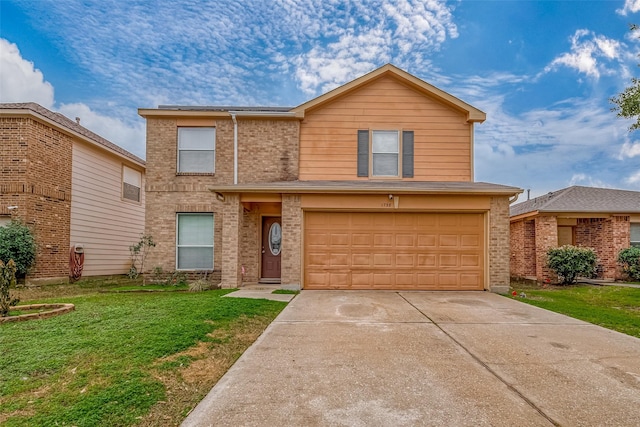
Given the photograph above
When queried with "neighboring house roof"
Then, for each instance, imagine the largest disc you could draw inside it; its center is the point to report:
(582, 199)
(473, 114)
(397, 187)
(68, 125)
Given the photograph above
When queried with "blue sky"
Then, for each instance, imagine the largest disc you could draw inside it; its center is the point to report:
(543, 71)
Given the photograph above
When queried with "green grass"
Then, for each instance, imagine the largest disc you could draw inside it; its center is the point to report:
(285, 292)
(95, 366)
(150, 288)
(612, 307)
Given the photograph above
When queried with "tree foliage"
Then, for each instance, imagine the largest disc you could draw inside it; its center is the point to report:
(569, 262)
(7, 280)
(17, 243)
(629, 260)
(627, 103)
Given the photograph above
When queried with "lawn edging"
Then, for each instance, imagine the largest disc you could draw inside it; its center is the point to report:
(52, 311)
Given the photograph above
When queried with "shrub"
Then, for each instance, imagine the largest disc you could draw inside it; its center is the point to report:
(569, 262)
(7, 280)
(629, 260)
(17, 243)
(139, 252)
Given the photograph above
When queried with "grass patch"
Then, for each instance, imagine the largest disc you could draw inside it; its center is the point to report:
(122, 358)
(612, 307)
(150, 288)
(285, 292)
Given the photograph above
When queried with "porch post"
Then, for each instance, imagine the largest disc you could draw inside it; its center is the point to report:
(546, 238)
(291, 240)
(231, 222)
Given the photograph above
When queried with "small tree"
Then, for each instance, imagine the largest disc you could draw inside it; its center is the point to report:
(569, 262)
(139, 252)
(18, 244)
(629, 260)
(7, 280)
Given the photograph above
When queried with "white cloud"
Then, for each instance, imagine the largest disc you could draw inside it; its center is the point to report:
(398, 31)
(20, 81)
(587, 53)
(633, 178)
(629, 150)
(130, 136)
(630, 6)
(588, 181)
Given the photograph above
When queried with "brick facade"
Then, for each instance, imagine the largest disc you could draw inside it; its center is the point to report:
(291, 240)
(531, 239)
(267, 152)
(35, 162)
(523, 249)
(499, 245)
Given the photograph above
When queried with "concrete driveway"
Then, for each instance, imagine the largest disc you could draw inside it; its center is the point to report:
(350, 358)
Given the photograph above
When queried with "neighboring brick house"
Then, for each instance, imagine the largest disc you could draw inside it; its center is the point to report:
(72, 187)
(369, 186)
(605, 219)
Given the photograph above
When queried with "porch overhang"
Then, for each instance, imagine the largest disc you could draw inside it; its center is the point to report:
(370, 187)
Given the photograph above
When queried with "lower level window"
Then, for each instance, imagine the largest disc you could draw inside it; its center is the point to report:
(635, 235)
(195, 242)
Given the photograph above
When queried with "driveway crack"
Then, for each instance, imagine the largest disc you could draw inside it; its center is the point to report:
(484, 365)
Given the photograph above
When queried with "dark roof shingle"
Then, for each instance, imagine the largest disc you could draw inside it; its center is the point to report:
(582, 199)
(69, 124)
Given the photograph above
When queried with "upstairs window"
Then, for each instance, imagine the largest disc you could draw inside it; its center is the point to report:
(131, 184)
(385, 153)
(385, 150)
(196, 150)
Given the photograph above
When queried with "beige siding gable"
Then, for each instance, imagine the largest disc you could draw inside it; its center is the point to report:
(443, 136)
(101, 220)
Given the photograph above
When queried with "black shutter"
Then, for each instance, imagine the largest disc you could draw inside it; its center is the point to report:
(407, 154)
(363, 153)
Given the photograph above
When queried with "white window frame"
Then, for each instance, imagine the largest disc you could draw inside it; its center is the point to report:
(635, 225)
(180, 138)
(398, 153)
(128, 176)
(179, 246)
(5, 220)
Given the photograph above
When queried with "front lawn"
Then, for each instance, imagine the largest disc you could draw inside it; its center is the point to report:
(122, 358)
(612, 307)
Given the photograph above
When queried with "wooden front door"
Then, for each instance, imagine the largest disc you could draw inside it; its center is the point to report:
(271, 247)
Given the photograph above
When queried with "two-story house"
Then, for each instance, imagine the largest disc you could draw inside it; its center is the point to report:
(81, 195)
(369, 186)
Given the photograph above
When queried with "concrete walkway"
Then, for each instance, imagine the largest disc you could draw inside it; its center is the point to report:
(340, 358)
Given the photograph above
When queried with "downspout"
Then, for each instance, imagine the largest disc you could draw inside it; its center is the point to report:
(235, 148)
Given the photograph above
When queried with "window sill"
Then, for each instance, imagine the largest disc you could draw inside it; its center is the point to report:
(195, 174)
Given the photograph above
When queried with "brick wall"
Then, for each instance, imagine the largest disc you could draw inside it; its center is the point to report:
(291, 240)
(546, 232)
(35, 175)
(499, 245)
(523, 249)
(268, 151)
(607, 236)
(250, 253)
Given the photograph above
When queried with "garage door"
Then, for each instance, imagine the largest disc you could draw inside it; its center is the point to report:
(384, 250)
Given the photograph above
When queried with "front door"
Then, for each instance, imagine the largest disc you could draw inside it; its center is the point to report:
(271, 247)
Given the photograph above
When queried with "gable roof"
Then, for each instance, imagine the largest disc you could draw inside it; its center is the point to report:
(582, 199)
(473, 114)
(67, 125)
